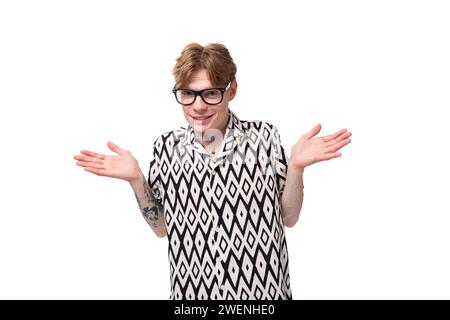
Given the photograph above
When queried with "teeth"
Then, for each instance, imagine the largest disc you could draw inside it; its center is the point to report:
(203, 118)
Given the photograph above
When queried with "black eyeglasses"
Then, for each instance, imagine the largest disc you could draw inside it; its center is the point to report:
(211, 96)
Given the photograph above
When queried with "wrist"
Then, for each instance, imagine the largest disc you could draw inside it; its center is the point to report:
(295, 169)
(138, 179)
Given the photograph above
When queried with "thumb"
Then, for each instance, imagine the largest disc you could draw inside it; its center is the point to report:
(314, 131)
(114, 147)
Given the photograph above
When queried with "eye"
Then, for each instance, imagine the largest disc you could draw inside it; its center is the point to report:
(211, 93)
(186, 93)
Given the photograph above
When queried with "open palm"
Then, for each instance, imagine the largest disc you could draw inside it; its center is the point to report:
(121, 166)
(310, 149)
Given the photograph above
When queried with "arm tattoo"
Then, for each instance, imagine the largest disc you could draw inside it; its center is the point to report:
(148, 192)
(151, 198)
(150, 213)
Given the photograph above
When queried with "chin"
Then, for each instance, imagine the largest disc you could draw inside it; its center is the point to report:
(200, 128)
(202, 125)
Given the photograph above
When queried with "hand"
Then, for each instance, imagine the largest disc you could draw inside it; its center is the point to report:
(122, 166)
(309, 150)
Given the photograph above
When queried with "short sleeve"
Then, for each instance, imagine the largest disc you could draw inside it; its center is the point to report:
(280, 161)
(154, 177)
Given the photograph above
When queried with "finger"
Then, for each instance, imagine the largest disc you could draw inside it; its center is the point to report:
(328, 156)
(311, 133)
(334, 135)
(337, 146)
(114, 147)
(99, 172)
(93, 154)
(88, 159)
(343, 136)
(90, 164)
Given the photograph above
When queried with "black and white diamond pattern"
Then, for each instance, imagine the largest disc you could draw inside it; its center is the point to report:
(223, 216)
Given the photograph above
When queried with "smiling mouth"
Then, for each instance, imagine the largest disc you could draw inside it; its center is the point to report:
(202, 118)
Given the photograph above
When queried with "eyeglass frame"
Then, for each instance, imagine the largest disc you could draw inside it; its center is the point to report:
(199, 93)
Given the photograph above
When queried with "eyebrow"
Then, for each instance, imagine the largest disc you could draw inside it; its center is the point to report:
(212, 87)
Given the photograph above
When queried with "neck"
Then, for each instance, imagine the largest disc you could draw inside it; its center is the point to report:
(213, 135)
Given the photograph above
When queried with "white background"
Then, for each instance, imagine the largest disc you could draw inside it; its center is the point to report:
(75, 74)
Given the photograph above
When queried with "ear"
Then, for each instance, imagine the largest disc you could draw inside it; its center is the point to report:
(233, 90)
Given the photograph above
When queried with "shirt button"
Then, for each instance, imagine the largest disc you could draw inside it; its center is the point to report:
(222, 287)
(213, 173)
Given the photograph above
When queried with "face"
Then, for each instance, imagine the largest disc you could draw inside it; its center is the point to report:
(202, 116)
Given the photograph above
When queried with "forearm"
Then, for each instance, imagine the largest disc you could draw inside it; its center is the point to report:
(292, 198)
(150, 208)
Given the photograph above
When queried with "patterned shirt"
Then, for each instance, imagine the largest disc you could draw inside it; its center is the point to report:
(223, 215)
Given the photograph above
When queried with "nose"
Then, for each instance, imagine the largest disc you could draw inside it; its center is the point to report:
(199, 105)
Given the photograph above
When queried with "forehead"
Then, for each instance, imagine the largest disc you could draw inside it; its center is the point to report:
(199, 80)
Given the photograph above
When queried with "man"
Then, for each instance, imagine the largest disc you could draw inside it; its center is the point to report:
(221, 189)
